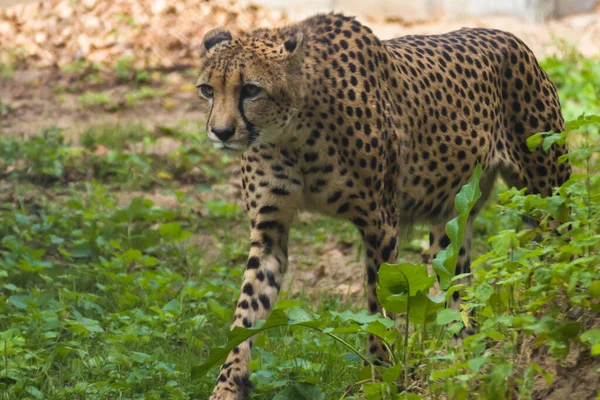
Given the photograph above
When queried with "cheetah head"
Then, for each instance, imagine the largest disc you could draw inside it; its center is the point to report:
(250, 88)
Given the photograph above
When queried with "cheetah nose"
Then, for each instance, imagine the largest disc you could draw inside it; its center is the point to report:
(223, 134)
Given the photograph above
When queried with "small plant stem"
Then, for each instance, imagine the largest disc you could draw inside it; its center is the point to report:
(406, 340)
(348, 345)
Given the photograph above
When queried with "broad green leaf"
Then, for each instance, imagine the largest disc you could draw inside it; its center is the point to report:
(362, 317)
(392, 373)
(594, 289)
(224, 313)
(552, 138)
(567, 331)
(284, 304)
(495, 335)
(170, 230)
(35, 392)
(503, 241)
(592, 337)
(173, 306)
(20, 301)
(534, 141)
(298, 314)
(82, 250)
(236, 336)
(582, 120)
(140, 357)
(476, 363)
(239, 335)
(423, 308)
(381, 330)
(375, 391)
(404, 278)
(446, 316)
(131, 255)
(482, 292)
(365, 373)
(445, 261)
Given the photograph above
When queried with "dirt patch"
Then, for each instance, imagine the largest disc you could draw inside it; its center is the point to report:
(159, 199)
(333, 268)
(31, 103)
(574, 377)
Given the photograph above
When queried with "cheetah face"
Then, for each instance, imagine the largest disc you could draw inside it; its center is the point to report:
(249, 90)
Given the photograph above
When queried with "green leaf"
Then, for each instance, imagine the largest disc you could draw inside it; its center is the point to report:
(284, 304)
(381, 330)
(20, 301)
(173, 306)
(170, 230)
(423, 308)
(224, 313)
(583, 120)
(567, 331)
(375, 391)
(482, 292)
(362, 317)
(594, 289)
(392, 373)
(275, 319)
(298, 315)
(445, 261)
(396, 281)
(496, 335)
(475, 364)
(591, 337)
(534, 141)
(131, 255)
(503, 241)
(140, 357)
(552, 138)
(34, 392)
(300, 391)
(446, 316)
(82, 250)
(237, 336)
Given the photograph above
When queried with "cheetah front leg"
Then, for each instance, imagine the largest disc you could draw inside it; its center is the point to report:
(381, 246)
(271, 210)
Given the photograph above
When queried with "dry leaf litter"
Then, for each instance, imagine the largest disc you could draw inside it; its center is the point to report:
(154, 33)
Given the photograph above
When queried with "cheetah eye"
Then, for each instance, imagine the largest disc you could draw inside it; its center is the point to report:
(206, 91)
(250, 91)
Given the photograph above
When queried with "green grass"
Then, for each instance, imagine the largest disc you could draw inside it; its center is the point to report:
(107, 290)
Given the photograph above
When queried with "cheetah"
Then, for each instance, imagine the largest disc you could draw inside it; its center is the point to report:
(327, 117)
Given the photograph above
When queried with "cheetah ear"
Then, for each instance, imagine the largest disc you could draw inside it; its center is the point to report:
(214, 37)
(294, 43)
